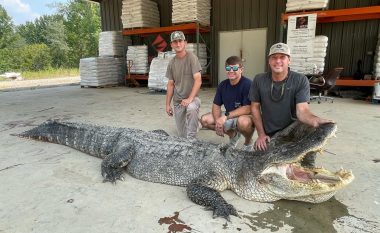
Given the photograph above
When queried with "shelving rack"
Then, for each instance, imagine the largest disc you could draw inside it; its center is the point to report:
(349, 14)
(342, 15)
(187, 28)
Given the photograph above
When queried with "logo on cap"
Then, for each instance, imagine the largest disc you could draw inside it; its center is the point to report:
(279, 48)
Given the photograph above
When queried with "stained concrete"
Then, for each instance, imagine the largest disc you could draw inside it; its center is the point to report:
(53, 188)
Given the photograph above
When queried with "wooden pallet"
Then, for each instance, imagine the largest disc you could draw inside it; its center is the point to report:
(100, 86)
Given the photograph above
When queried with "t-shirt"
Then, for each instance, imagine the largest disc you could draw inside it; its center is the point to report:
(233, 96)
(278, 99)
(181, 70)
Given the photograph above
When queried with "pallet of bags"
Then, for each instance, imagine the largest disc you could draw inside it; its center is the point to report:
(314, 64)
(157, 73)
(139, 13)
(138, 55)
(111, 43)
(99, 71)
(191, 11)
(300, 5)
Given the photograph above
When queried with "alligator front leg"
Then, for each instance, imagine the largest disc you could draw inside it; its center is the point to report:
(200, 192)
(113, 165)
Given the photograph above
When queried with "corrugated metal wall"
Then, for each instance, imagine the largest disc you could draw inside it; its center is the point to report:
(348, 41)
(229, 15)
(110, 13)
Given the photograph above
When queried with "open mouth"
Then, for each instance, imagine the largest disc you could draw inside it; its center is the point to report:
(295, 172)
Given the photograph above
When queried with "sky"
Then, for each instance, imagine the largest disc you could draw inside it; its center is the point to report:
(22, 11)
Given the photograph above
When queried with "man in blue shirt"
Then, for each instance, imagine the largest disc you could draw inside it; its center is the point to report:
(233, 94)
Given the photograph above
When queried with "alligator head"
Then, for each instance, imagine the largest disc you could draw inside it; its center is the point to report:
(282, 175)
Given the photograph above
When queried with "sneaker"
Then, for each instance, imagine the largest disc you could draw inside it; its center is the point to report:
(248, 147)
(234, 140)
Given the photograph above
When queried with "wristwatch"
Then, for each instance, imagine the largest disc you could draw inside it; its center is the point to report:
(227, 114)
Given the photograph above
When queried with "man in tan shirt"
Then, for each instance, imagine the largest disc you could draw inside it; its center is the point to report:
(184, 74)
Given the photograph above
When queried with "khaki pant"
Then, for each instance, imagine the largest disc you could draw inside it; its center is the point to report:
(186, 118)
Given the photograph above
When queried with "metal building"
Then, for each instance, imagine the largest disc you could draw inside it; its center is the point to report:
(349, 41)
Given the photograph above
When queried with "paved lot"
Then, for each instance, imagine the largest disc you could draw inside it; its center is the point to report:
(52, 188)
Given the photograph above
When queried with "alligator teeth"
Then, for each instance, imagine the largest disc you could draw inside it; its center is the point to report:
(326, 177)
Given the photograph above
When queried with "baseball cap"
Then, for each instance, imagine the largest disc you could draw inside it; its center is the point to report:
(279, 48)
(177, 35)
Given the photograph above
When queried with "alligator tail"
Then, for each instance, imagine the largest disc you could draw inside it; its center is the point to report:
(97, 141)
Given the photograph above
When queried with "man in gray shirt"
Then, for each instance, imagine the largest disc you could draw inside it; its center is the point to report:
(184, 74)
(279, 97)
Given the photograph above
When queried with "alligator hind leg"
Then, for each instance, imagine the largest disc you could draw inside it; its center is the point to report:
(113, 165)
(199, 192)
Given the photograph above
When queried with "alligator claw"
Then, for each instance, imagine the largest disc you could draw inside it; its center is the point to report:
(224, 211)
(112, 174)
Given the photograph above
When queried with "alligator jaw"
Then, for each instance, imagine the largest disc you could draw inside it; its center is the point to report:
(288, 179)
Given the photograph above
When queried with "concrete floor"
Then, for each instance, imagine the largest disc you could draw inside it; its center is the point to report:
(53, 188)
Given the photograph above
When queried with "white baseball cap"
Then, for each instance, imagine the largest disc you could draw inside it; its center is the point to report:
(279, 48)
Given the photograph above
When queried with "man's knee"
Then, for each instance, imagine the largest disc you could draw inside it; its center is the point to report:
(192, 107)
(244, 122)
(206, 120)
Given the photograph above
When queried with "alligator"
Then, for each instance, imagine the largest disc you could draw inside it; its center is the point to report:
(206, 168)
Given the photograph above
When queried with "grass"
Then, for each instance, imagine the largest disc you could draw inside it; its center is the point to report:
(44, 74)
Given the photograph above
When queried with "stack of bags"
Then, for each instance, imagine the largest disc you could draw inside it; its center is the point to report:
(111, 43)
(300, 5)
(202, 56)
(376, 63)
(109, 67)
(138, 54)
(100, 71)
(191, 11)
(140, 13)
(315, 64)
(157, 74)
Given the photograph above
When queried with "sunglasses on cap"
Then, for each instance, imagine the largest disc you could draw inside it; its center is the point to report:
(233, 68)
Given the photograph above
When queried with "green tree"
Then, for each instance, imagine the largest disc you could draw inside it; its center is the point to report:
(55, 39)
(27, 58)
(37, 32)
(82, 24)
(49, 30)
(7, 35)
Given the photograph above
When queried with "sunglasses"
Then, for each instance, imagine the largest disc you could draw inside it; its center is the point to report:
(233, 68)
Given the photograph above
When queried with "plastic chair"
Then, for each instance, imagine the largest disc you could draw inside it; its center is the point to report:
(324, 84)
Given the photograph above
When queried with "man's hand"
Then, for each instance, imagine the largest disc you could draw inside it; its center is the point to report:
(261, 142)
(321, 121)
(169, 110)
(219, 125)
(186, 102)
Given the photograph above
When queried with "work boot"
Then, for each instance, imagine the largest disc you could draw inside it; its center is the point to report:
(309, 160)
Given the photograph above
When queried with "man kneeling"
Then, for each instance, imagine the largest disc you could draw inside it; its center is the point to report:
(233, 94)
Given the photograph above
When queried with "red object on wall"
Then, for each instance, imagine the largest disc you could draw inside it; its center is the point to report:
(159, 43)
